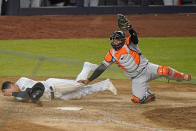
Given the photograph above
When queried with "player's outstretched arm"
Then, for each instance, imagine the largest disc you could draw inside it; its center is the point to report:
(133, 38)
(30, 95)
(95, 74)
(124, 24)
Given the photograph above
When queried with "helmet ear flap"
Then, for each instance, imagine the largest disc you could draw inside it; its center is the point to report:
(111, 37)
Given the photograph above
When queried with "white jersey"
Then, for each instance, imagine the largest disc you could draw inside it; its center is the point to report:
(65, 89)
(59, 86)
(23, 83)
(68, 89)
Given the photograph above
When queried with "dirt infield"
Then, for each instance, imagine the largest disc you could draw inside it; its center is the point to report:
(95, 26)
(174, 109)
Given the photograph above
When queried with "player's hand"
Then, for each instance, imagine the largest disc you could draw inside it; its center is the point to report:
(27, 100)
(7, 92)
(84, 81)
(39, 103)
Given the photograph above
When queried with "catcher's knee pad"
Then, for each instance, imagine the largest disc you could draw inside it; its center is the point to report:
(164, 71)
(147, 99)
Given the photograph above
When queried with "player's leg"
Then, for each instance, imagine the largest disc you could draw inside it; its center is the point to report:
(35, 3)
(25, 3)
(155, 71)
(140, 90)
(63, 86)
(1, 1)
(87, 68)
(172, 74)
(90, 89)
(86, 3)
(94, 3)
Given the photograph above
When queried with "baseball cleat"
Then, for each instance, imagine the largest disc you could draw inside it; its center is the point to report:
(111, 87)
(187, 77)
(145, 100)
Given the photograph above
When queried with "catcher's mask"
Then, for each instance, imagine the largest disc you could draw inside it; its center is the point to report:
(117, 35)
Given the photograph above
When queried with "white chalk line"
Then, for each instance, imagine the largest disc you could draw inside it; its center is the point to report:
(108, 120)
(153, 105)
(78, 121)
(136, 125)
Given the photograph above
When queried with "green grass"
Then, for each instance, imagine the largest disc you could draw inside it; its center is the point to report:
(179, 53)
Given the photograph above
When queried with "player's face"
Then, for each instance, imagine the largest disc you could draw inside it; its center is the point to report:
(9, 91)
(14, 88)
(117, 41)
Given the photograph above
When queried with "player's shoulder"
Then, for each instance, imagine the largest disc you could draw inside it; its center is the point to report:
(23, 78)
(111, 51)
(108, 56)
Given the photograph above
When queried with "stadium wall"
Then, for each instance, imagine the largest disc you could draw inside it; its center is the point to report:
(13, 9)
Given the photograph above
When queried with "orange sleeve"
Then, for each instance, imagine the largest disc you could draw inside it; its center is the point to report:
(128, 41)
(108, 57)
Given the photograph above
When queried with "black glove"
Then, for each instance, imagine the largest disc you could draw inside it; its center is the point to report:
(134, 37)
(37, 91)
(33, 93)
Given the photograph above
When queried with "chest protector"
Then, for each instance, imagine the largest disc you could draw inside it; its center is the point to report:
(126, 58)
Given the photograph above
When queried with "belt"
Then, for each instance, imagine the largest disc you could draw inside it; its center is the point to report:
(139, 73)
(52, 92)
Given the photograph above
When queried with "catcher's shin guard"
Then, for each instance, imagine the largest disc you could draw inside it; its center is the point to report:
(171, 73)
(147, 99)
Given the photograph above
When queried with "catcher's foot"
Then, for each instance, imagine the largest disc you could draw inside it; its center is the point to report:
(187, 77)
(150, 98)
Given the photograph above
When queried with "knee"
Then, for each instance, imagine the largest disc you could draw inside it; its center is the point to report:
(164, 71)
(144, 100)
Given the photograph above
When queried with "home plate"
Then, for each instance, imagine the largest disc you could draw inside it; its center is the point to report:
(69, 108)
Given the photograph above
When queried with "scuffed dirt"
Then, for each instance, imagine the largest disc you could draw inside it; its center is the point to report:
(174, 109)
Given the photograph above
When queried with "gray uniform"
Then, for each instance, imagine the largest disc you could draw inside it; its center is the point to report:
(136, 66)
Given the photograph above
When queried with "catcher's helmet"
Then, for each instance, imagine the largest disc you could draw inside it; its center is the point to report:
(119, 35)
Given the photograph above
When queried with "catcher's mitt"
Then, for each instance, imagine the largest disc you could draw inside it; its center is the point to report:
(123, 22)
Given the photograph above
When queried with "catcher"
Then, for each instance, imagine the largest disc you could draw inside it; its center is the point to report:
(27, 90)
(126, 54)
